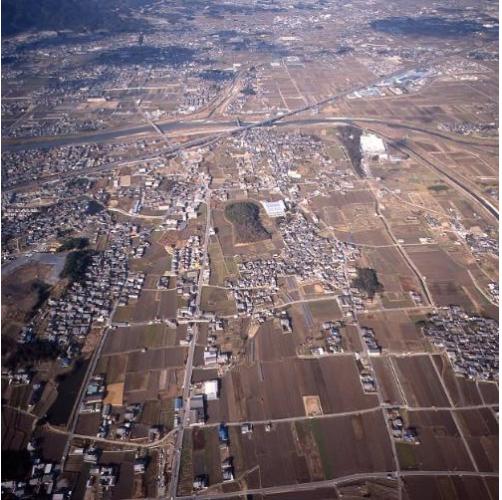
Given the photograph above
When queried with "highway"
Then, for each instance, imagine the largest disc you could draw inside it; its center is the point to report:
(469, 191)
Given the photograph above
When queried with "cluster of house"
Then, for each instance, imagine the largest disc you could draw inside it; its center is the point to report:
(186, 286)
(176, 199)
(30, 164)
(469, 128)
(201, 481)
(213, 356)
(282, 154)
(398, 428)
(333, 336)
(255, 302)
(94, 395)
(370, 340)
(105, 475)
(367, 380)
(307, 255)
(470, 341)
(129, 417)
(71, 316)
(42, 482)
(227, 467)
(18, 376)
(43, 226)
(311, 256)
(477, 240)
(187, 257)
(196, 96)
(120, 425)
(142, 242)
(132, 287)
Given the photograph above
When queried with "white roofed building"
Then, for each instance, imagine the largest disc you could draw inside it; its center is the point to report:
(371, 144)
(274, 208)
(210, 389)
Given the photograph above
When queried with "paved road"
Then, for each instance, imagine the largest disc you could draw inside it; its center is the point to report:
(72, 422)
(450, 177)
(294, 488)
(354, 412)
(173, 485)
(406, 257)
(115, 442)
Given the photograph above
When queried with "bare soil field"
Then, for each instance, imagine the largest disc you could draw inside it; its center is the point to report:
(271, 344)
(16, 429)
(272, 454)
(217, 300)
(51, 444)
(314, 494)
(114, 367)
(206, 454)
(489, 392)
(419, 381)
(350, 443)
(88, 424)
(446, 278)
(156, 260)
(480, 428)
(409, 233)
(395, 331)
(275, 389)
(393, 271)
(157, 359)
(324, 310)
(133, 338)
(313, 450)
(23, 290)
(115, 394)
(387, 381)
(462, 391)
(440, 448)
(439, 488)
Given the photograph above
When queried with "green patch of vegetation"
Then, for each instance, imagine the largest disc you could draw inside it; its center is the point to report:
(367, 281)
(406, 456)
(245, 217)
(350, 137)
(29, 353)
(42, 290)
(76, 264)
(94, 207)
(73, 243)
(248, 91)
(438, 188)
(79, 182)
(320, 439)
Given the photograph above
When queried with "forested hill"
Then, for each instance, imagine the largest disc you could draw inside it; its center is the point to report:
(77, 15)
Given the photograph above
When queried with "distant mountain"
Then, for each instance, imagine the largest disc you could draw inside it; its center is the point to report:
(76, 15)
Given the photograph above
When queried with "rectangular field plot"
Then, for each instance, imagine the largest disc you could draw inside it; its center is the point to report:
(440, 446)
(439, 488)
(462, 391)
(276, 389)
(421, 385)
(313, 450)
(138, 337)
(480, 429)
